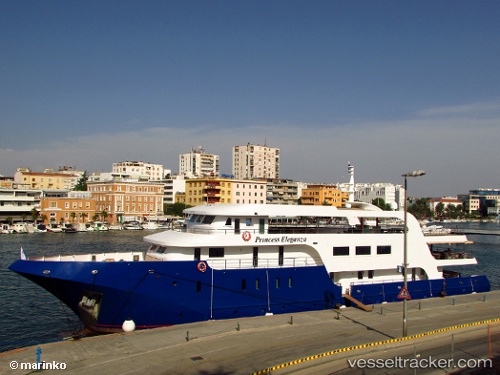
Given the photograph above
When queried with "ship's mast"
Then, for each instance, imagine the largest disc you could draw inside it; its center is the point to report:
(350, 185)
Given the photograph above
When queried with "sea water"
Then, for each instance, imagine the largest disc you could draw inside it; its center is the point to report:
(29, 315)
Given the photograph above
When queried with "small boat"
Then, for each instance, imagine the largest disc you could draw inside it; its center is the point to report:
(54, 228)
(19, 228)
(132, 225)
(150, 225)
(40, 228)
(116, 227)
(97, 226)
(68, 228)
(6, 229)
(80, 227)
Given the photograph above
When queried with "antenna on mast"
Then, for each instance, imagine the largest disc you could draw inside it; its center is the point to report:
(350, 185)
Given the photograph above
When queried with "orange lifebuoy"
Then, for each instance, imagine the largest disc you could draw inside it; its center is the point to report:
(246, 236)
(202, 267)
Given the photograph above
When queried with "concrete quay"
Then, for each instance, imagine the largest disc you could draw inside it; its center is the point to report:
(276, 344)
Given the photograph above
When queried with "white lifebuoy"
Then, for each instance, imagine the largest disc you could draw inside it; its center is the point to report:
(246, 236)
(202, 267)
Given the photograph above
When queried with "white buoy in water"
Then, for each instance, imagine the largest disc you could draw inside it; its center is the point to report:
(128, 325)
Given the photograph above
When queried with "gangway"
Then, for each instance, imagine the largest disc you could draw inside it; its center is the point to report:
(361, 305)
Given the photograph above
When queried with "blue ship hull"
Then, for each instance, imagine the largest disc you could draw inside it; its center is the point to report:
(389, 292)
(153, 294)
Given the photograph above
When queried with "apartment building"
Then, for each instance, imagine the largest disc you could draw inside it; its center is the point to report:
(282, 191)
(322, 194)
(138, 170)
(214, 190)
(65, 178)
(255, 161)
(198, 164)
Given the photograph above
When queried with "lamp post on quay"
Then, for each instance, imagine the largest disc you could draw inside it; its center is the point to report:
(405, 248)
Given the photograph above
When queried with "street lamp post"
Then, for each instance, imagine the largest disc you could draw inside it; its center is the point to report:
(405, 247)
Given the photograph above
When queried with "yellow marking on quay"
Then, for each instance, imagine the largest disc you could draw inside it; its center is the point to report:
(377, 343)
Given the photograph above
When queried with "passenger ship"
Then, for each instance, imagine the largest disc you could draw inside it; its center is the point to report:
(232, 261)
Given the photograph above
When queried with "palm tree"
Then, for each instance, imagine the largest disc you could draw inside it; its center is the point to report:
(73, 216)
(104, 215)
(34, 215)
(83, 215)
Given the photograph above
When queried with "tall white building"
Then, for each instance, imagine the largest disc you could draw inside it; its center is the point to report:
(255, 161)
(138, 170)
(198, 164)
(390, 193)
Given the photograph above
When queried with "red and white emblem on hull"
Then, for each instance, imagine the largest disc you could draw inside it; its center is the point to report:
(246, 236)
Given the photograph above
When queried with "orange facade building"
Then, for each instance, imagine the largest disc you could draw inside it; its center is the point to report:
(123, 201)
(320, 195)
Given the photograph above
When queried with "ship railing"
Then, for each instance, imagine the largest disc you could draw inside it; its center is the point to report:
(449, 253)
(223, 264)
(353, 284)
(133, 256)
(297, 229)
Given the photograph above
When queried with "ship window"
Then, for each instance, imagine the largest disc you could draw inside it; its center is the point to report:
(228, 221)
(360, 275)
(255, 256)
(281, 255)
(243, 284)
(193, 218)
(340, 250)
(197, 253)
(290, 282)
(198, 286)
(208, 219)
(161, 249)
(277, 283)
(216, 252)
(249, 222)
(382, 250)
(363, 250)
(257, 284)
(370, 274)
(200, 219)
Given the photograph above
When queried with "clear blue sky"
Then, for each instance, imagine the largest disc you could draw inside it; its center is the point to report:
(390, 86)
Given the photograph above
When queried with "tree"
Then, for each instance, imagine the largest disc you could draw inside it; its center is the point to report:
(419, 209)
(380, 203)
(34, 214)
(73, 216)
(439, 211)
(81, 185)
(175, 209)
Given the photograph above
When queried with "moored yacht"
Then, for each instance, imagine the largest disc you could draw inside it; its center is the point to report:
(233, 261)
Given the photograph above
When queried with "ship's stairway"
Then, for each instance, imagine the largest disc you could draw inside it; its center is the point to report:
(357, 303)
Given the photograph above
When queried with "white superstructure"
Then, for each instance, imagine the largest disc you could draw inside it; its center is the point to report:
(358, 245)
